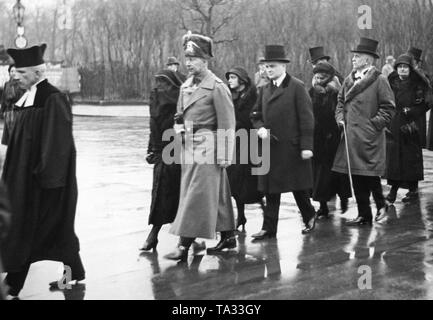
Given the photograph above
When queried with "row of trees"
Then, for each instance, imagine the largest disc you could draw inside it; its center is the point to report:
(119, 45)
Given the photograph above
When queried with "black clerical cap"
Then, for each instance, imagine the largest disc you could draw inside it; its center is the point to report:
(28, 57)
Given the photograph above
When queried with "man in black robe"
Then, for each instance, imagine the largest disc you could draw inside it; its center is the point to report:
(39, 171)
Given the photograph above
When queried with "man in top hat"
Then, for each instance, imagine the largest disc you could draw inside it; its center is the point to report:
(284, 114)
(39, 171)
(366, 106)
(173, 65)
(205, 110)
(317, 54)
(417, 56)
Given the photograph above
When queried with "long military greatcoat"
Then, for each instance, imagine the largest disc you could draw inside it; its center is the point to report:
(205, 198)
(366, 107)
(39, 171)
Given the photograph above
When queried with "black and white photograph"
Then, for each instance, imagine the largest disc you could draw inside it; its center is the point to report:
(216, 155)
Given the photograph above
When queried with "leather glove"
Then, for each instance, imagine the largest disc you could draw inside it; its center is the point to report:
(152, 158)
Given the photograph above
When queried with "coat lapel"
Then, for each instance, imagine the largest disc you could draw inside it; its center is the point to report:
(202, 91)
(280, 90)
(359, 87)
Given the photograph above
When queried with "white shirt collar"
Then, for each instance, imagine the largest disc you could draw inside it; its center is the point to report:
(28, 98)
(280, 80)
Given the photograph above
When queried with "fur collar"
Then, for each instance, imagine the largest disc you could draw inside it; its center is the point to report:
(353, 89)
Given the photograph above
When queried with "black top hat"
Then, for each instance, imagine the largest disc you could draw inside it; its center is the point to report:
(416, 53)
(317, 53)
(368, 46)
(275, 53)
(29, 57)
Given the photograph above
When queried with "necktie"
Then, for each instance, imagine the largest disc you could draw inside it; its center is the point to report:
(273, 86)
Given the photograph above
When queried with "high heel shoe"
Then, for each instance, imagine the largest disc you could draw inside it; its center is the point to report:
(241, 222)
(148, 245)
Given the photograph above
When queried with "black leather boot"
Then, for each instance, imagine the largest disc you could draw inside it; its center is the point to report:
(228, 241)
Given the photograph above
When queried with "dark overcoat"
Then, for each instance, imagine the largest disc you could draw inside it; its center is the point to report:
(11, 93)
(326, 139)
(366, 107)
(287, 112)
(166, 177)
(243, 184)
(39, 171)
(422, 122)
(404, 149)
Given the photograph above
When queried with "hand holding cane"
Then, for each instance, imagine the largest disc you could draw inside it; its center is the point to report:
(348, 158)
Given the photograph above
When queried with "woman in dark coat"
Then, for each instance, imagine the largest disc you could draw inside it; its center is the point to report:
(166, 178)
(243, 184)
(326, 139)
(404, 143)
(11, 94)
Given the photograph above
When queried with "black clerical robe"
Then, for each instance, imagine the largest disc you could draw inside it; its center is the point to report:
(39, 171)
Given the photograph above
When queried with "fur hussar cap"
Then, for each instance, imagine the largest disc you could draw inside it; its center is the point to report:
(196, 45)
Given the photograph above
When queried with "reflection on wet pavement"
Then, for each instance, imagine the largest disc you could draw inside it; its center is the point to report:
(114, 197)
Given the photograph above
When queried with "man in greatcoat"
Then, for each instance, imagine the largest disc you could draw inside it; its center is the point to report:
(39, 171)
(366, 106)
(205, 110)
(284, 114)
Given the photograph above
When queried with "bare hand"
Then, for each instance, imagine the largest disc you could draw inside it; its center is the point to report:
(306, 154)
(263, 133)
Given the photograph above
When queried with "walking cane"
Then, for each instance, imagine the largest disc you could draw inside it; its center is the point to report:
(348, 159)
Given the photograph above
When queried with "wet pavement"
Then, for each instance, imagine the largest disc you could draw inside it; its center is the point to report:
(333, 262)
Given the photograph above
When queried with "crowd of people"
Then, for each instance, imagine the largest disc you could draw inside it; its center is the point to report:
(340, 136)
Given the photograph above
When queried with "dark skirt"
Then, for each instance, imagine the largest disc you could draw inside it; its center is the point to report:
(165, 193)
(327, 183)
(243, 184)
